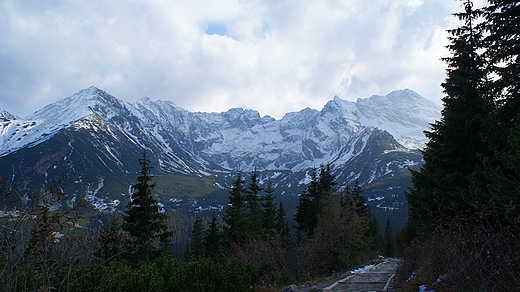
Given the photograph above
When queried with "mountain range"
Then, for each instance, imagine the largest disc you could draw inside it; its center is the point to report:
(96, 140)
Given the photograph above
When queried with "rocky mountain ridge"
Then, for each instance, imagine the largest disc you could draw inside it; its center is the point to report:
(262, 141)
(96, 139)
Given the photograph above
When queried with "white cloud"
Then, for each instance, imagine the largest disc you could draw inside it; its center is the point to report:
(273, 56)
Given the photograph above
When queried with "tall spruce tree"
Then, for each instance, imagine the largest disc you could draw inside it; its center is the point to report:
(145, 224)
(197, 248)
(502, 46)
(281, 224)
(360, 202)
(306, 213)
(269, 208)
(327, 180)
(500, 193)
(236, 217)
(441, 185)
(254, 204)
(353, 196)
(212, 239)
(309, 206)
(501, 196)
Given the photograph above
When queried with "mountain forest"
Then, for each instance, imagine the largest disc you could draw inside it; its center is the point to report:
(463, 203)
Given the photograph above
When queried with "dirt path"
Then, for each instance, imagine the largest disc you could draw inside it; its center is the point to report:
(371, 278)
(374, 278)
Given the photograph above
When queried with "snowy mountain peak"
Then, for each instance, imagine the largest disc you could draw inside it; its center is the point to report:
(50, 120)
(77, 106)
(144, 100)
(6, 116)
(243, 118)
(404, 94)
(404, 114)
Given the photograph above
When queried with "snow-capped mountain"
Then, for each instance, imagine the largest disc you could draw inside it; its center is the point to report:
(96, 139)
(404, 114)
(6, 116)
(236, 138)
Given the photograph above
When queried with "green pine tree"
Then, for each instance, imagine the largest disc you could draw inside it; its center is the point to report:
(500, 194)
(389, 240)
(254, 205)
(197, 248)
(110, 239)
(148, 233)
(307, 211)
(354, 197)
(502, 45)
(212, 239)
(281, 224)
(441, 185)
(236, 217)
(359, 201)
(327, 180)
(309, 206)
(269, 209)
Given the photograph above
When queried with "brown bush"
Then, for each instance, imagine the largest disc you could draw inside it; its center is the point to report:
(464, 256)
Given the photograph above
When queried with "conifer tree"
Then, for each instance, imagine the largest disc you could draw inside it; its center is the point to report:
(110, 239)
(340, 236)
(360, 202)
(500, 193)
(326, 182)
(269, 208)
(353, 196)
(253, 202)
(236, 213)
(196, 248)
(309, 206)
(145, 224)
(441, 185)
(503, 191)
(502, 46)
(306, 212)
(41, 239)
(212, 240)
(281, 224)
(389, 239)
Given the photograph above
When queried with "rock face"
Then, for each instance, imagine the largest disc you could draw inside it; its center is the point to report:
(96, 139)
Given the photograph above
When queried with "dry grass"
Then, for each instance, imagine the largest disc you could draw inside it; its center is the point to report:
(463, 257)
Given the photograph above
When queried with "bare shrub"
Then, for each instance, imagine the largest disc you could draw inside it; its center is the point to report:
(464, 256)
(39, 237)
(339, 241)
(267, 253)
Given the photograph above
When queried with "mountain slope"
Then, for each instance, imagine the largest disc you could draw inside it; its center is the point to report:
(6, 116)
(96, 140)
(403, 113)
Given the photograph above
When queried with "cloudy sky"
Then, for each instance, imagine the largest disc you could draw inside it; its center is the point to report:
(274, 56)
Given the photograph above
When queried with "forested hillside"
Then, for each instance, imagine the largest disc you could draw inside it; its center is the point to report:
(250, 247)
